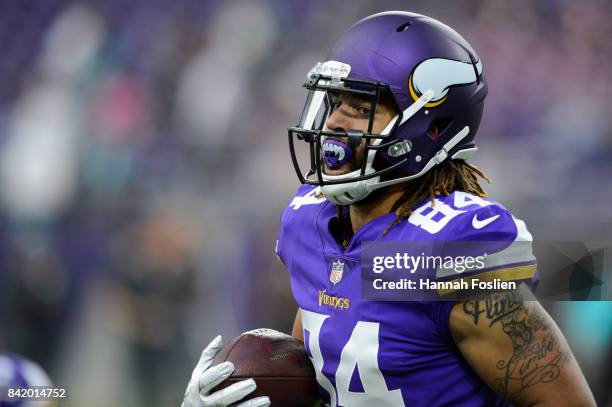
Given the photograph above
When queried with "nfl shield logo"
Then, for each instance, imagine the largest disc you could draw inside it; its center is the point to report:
(336, 272)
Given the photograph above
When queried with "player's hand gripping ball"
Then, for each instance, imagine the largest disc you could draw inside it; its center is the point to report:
(277, 362)
(205, 377)
(255, 369)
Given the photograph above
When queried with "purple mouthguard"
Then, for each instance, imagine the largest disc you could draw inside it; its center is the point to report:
(336, 153)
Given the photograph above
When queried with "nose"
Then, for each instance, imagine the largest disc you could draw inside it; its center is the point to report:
(337, 121)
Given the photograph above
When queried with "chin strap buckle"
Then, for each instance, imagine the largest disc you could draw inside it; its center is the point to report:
(440, 156)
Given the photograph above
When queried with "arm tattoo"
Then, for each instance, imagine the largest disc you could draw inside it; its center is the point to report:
(537, 355)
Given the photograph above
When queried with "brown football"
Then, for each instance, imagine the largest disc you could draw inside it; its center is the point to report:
(277, 362)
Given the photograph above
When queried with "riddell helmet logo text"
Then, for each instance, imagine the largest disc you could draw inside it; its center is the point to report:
(331, 301)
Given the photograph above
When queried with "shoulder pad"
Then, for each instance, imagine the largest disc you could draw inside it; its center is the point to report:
(462, 216)
(486, 227)
(306, 195)
(297, 222)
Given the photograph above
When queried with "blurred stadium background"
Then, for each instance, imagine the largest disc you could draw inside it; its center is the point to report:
(144, 165)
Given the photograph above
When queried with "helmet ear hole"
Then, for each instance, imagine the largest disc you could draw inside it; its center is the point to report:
(438, 126)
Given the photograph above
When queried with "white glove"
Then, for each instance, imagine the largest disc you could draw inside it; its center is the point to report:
(204, 379)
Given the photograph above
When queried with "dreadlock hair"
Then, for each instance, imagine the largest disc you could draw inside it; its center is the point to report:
(443, 179)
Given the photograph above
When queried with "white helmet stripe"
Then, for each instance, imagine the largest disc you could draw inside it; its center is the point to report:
(409, 111)
(418, 105)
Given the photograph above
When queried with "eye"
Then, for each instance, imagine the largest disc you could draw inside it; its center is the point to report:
(364, 111)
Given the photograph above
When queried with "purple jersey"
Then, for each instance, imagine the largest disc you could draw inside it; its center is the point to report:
(386, 353)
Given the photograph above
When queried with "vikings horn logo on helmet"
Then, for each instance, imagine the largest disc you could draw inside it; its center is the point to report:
(439, 74)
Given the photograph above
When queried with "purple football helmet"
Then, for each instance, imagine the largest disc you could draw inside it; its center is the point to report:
(433, 76)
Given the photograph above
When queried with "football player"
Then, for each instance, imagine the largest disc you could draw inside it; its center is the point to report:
(390, 121)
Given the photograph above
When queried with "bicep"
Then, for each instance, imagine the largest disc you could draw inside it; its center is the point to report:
(515, 346)
(298, 331)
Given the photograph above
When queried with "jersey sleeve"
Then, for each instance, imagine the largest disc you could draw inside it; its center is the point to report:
(500, 243)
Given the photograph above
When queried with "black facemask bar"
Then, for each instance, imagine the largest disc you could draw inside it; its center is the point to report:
(371, 91)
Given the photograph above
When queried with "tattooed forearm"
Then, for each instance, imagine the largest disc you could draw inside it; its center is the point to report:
(537, 354)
